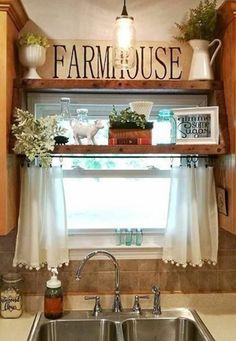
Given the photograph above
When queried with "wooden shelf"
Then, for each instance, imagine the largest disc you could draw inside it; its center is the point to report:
(128, 86)
(138, 149)
(63, 85)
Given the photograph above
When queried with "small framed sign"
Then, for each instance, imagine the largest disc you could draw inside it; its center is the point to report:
(222, 202)
(199, 125)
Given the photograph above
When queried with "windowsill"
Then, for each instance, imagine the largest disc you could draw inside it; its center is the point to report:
(80, 244)
(122, 252)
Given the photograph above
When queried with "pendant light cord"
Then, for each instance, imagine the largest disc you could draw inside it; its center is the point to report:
(124, 10)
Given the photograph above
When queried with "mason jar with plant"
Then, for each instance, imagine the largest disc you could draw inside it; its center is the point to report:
(199, 30)
(128, 119)
(32, 52)
(35, 138)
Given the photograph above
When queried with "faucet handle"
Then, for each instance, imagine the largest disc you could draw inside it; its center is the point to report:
(136, 307)
(156, 290)
(97, 307)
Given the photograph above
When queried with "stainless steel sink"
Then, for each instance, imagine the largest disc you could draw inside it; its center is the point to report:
(180, 329)
(74, 326)
(171, 325)
(103, 330)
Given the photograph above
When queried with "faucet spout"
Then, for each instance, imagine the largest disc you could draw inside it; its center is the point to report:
(117, 307)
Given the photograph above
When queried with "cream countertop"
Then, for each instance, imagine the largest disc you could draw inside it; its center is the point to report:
(217, 311)
(16, 329)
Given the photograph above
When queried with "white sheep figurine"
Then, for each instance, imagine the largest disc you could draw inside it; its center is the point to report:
(88, 131)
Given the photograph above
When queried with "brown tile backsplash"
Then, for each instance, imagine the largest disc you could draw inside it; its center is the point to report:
(136, 276)
(208, 281)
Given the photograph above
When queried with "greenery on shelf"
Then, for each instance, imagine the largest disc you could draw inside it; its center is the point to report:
(29, 38)
(201, 22)
(35, 137)
(128, 119)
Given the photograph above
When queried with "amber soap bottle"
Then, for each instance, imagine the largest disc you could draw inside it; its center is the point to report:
(53, 297)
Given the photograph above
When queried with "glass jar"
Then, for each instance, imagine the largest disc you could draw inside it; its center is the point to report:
(165, 127)
(82, 115)
(53, 303)
(11, 296)
(139, 237)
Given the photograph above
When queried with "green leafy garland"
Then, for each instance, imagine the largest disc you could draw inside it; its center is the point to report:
(201, 23)
(35, 137)
(29, 38)
(128, 119)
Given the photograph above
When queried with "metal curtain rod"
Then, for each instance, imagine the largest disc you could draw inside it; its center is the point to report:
(124, 156)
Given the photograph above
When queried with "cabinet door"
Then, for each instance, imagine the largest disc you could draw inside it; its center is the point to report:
(10, 26)
(225, 168)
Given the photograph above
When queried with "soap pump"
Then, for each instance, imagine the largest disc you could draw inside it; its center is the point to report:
(53, 298)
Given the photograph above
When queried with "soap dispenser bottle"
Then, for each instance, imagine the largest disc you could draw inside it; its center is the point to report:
(53, 298)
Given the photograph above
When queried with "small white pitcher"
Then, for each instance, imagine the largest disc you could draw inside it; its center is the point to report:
(201, 65)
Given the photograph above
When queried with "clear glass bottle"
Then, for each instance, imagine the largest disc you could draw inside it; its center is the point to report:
(11, 295)
(64, 116)
(63, 120)
(165, 127)
(65, 108)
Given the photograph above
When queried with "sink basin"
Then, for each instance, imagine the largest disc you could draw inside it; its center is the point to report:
(180, 329)
(171, 325)
(99, 330)
(74, 326)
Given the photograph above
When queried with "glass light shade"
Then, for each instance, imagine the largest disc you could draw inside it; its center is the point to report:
(124, 43)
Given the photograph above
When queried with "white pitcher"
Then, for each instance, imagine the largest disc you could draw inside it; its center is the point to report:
(201, 65)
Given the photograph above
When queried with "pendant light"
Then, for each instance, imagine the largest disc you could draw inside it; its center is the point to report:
(124, 41)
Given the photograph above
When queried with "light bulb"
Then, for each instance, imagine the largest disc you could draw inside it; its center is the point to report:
(124, 41)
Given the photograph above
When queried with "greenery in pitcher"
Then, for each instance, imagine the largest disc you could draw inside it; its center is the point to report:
(128, 119)
(35, 137)
(201, 22)
(29, 38)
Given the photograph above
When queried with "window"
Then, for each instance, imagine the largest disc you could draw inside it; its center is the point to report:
(108, 192)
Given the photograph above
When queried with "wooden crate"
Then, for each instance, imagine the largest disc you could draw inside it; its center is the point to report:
(130, 136)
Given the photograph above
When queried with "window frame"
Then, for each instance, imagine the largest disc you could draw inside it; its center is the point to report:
(89, 240)
(83, 241)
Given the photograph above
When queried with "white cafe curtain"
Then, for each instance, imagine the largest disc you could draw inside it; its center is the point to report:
(42, 235)
(192, 229)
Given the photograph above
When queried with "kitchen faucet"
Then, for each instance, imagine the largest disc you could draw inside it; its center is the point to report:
(117, 307)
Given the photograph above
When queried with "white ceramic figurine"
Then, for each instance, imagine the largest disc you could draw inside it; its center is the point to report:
(88, 131)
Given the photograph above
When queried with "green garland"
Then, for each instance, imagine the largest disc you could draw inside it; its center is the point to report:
(29, 38)
(128, 119)
(201, 22)
(35, 137)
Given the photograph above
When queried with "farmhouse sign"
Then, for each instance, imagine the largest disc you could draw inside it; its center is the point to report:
(93, 60)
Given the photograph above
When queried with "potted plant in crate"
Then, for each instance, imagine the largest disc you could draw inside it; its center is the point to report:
(199, 31)
(32, 52)
(129, 127)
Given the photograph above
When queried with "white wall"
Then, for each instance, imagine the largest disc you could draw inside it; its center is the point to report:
(94, 19)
